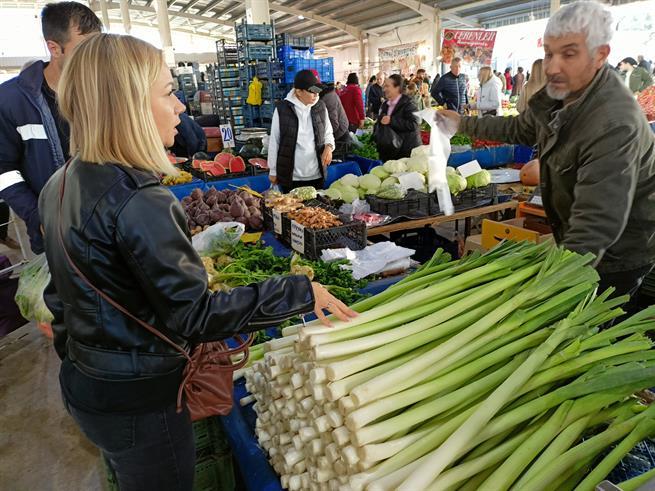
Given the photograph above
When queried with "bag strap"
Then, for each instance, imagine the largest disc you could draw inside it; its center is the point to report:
(102, 294)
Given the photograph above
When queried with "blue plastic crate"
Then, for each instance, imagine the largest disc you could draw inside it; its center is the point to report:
(365, 164)
(294, 41)
(289, 53)
(256, 52)
(291, 67)
(254, 32)
(337, 171)
(273, 69)
(523, 154)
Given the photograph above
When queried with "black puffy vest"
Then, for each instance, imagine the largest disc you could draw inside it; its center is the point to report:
(289, 136)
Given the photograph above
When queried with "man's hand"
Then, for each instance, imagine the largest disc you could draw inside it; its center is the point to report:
(323, 300)
(448, 120)
(273, 179)
(361, 124)
(326, 158)
(386, 120)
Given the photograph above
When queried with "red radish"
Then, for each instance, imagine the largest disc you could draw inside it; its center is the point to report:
(237, 165)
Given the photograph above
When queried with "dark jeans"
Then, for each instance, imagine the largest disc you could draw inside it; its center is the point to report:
(626, 283)
(318, 184)
(147, 451)
(4, 218)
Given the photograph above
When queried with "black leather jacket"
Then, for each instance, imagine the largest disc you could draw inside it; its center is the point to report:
(128, 235)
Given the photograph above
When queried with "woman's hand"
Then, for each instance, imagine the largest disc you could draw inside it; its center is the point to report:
(323, 300)
(326, 158)
(273, 179)
(385, 120)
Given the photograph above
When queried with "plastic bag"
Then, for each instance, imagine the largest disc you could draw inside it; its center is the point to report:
(357, 206)
(438, 160)
(386, 139)
(32, 282)
(218, 235)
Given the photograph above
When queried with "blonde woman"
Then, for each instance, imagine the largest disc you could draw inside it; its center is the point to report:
(536, 82)
(488, 96)
(128, 236)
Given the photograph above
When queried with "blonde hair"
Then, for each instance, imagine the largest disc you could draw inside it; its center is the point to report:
(104, 93)
(485, 75)
(535, 84)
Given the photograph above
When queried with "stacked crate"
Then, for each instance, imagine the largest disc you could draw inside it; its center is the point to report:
(297, 53)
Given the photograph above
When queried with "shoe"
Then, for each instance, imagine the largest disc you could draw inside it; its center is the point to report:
(11, 243)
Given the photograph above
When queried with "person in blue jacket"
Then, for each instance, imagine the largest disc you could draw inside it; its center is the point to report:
(34, 138)
(451, 88)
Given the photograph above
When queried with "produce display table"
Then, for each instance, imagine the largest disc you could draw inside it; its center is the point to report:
(438, 220)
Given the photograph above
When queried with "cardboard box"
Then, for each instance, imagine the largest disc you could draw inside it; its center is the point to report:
(214, 144)
(515, 229)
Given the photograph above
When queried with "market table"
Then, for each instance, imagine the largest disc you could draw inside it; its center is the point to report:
(439, 219)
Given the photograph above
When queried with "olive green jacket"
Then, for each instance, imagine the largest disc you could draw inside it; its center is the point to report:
(597, 169)
(640, 79)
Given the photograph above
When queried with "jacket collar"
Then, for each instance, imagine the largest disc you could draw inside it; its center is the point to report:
(543, 106)
(31, 79)
(140, 178)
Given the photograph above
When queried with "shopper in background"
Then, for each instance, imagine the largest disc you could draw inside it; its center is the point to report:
(302, 142)
(503, 81)
(535, 83)
(397, 112)
(190, 138)
(433, 87)
(338, 87)
(415, 96)
(371, 82)
(353, 102)
(33, 136)
(336, 113)
(645, 64)
(120, 381)
(596, 149)
(422, 85)
(489, 95)
(518, 82)
(635, 77)
(509, 86)
(451, 89)
(375, 96)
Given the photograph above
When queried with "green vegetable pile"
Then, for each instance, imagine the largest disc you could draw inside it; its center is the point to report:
(240, 264)
(369, 150)
(461, 140)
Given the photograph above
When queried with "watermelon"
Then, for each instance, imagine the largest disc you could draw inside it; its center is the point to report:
(223, 159)
(259, 162)
(216, 171)
(237, 165)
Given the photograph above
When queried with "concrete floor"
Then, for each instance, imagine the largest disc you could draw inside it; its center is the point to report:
(41, 448)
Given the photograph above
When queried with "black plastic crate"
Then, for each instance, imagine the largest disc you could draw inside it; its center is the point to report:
(415, 205)
(284, 225)
(294, 41)
(467, 199)
(351, 234)
(201, 174)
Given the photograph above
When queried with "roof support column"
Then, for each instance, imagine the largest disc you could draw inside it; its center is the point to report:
(164, 26)
(554, 6)
(258, 12)
(362, 61)
(436, 43)
(125, 16)
(105, 14)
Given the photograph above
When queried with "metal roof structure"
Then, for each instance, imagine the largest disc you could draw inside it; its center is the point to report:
(333, 23)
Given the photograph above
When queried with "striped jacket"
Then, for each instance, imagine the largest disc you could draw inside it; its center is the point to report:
(30, 150)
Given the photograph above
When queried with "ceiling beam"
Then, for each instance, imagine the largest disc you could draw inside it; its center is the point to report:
(209, 6)
(431, 13)
(136, 8)
(228, 10)
(467, 6)
(352, 30)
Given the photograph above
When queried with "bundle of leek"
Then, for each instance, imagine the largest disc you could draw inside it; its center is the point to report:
(482, 373)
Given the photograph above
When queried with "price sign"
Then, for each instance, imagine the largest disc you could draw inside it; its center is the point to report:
(277, 222)
(297, 237)
(228, 135)
(469, 169)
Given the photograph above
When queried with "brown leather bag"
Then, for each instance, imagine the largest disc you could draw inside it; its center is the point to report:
(207, 384)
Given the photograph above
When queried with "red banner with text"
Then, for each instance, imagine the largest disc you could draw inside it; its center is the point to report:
(473, 47)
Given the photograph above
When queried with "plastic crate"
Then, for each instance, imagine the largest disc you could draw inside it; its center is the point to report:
(415, 205)
(293, 66)
(290, 53)
(215, 473)
(231, 92)
(229, 72)
(467, 199)
(254, 32)
(294, 41)
(274, 69)
(351, 234)
(256, 52)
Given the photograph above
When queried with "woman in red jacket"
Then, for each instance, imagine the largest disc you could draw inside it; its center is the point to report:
(353, 102)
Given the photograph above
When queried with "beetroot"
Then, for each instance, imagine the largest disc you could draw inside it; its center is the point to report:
(236, 210)
(196, 194)
(255, 222)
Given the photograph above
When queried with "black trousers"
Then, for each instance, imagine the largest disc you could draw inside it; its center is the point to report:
(317, 183)
(147, 451)
(4, 218)
(626, 283)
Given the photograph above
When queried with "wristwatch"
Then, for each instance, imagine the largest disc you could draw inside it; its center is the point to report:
(330, 145)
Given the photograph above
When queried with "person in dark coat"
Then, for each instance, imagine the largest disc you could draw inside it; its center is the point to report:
(398, 113)
(190, 138)
(451, 88)
(336, 113)
(375, 96)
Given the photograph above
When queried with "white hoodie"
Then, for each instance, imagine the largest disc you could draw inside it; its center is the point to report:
(306, 164)
(489, 96)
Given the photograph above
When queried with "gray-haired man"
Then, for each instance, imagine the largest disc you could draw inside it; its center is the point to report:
(596, 149)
